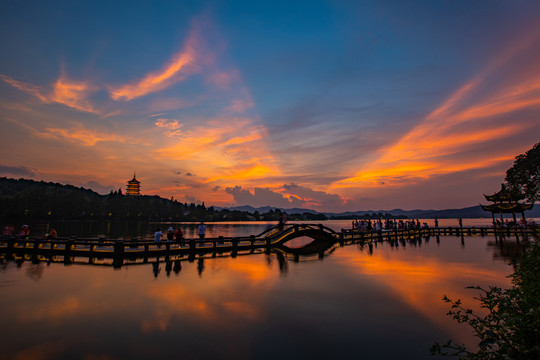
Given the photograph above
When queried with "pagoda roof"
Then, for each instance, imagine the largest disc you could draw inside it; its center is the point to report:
(507, 208)
(504, 195)
(132, 181)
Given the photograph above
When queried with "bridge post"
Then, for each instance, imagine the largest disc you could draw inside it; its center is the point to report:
(10, 244)
(118, 259)
(119, 248)
(192, 245)
(69, 245)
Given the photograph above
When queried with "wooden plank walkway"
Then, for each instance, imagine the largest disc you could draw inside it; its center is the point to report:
(135, 250)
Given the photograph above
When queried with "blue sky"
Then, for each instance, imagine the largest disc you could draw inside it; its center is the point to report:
(329, 105)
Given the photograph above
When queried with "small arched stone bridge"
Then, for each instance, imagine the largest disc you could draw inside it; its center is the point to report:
(281, 234)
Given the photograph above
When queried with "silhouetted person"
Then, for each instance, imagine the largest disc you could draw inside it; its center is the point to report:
(170, 234)
(52, 235)
(282, 221)
(202, 231)
(179, 235)
(25, 232)
(158, 235)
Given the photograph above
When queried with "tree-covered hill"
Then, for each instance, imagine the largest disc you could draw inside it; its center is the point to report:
(47, 200)
(33, 200)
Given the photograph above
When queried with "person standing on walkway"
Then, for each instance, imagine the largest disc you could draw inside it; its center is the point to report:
(179, 235)
(170, 234)
(202, 231)
(158, 235)
(25, 232)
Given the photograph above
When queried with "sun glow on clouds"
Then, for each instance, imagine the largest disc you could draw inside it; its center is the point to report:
(73, 94)
(183, 64)
(229, 149)
(445, 141)
(80, 136)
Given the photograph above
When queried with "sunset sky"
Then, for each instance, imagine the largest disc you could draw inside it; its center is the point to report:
(328, 105)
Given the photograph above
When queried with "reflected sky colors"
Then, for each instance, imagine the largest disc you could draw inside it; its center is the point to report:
(348, 303)
(329, 105)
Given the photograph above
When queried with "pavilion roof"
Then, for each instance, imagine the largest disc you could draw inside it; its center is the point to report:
(504, 195)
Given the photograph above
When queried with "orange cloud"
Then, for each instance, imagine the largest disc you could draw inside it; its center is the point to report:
(230, 149)
(79, 135)
(183, 64)
(455, 127)
(73, 94)
(27, 88)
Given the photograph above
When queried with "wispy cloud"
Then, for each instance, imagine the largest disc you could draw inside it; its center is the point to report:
(74, 94)
(478, 113)
(80, 135)
(181, 65)
(171, 127)
(27, 88)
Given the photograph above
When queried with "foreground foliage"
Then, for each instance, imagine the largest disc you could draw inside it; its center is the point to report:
(511, 329)
(524, 175)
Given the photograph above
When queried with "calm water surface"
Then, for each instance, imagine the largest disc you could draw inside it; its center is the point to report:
(351, 303)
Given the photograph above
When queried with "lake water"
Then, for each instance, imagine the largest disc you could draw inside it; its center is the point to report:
(350, 303)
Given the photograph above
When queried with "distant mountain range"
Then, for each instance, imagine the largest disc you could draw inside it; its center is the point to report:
(467, 212)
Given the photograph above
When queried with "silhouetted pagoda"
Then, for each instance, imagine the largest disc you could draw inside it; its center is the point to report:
(133, 187)
(506, 202)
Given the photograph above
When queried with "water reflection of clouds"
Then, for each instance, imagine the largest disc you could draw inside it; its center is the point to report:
(234, 289)
(421, 280)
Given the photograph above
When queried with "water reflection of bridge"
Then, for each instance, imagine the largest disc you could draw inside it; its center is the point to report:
(323, 240)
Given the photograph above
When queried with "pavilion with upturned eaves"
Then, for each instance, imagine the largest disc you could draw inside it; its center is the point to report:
(506, 202)
(133, 187)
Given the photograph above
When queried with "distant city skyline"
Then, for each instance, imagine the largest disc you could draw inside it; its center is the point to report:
(328, 105)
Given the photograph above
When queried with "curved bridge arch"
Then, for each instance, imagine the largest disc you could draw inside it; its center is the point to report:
(277, 236)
